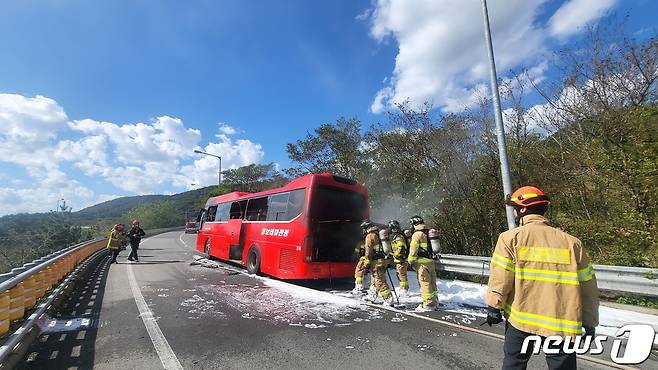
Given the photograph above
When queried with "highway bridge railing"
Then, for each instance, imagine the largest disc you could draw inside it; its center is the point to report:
(620, 279)
(32, 288)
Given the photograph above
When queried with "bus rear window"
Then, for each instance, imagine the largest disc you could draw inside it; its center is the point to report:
(331, 204)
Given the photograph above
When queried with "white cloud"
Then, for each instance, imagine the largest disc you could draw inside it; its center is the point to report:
(139, 158)
(442, 56)
(573, 15)
(30, 120)
(225, 129)
(234, 153)
(163, 140)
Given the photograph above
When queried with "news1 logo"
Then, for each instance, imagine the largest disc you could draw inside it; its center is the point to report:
(638, 348)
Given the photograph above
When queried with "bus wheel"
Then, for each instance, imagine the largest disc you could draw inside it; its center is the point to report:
(253, 261)
(206, 249)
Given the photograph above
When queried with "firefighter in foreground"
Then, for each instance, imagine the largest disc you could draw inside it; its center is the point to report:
(117, 236)
(421, 259)
(542, 279)
(375, 259)
(400, 250)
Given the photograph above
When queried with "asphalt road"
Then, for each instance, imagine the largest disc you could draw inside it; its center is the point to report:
(166, 311)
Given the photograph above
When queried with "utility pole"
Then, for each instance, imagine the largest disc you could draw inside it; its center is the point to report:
(500, 128)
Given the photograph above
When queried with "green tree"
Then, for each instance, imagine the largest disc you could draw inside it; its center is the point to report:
(333, 147)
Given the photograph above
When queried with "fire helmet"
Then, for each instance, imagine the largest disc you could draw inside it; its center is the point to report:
(527, 196)
(394, 226)
(416, 220)
(366, 224)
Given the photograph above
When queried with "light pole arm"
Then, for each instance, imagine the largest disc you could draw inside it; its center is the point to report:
(219, 174)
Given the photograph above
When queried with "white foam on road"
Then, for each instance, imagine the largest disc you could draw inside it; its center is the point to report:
(162, 347)
(464, 301)
(464, 297)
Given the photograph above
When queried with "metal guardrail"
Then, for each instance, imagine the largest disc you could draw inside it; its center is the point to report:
(636, 280)
(36, 285)
(17, 337)
(21, 288)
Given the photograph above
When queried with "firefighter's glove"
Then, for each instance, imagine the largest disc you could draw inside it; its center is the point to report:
(590, 331)
(494, 316)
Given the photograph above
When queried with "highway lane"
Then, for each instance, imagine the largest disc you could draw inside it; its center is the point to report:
(217, 318)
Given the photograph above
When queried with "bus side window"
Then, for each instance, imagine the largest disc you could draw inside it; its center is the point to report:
(257, 209)
(235, 211)
(223, 212)
(276, 211)
(295, 203)
(212, 211)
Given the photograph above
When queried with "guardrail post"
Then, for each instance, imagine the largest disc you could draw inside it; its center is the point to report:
(4, 312)
(17, 302)
(29, 294)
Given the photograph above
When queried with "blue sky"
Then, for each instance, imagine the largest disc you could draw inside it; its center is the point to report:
(100, 99)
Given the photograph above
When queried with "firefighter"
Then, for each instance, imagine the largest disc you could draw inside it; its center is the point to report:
(117, 236)
(361, 268)
(377, 262)
(400, 250)
(542, 279)
(135, 236)
(420, 258)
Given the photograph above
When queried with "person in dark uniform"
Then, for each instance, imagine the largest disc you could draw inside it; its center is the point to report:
(135, 236)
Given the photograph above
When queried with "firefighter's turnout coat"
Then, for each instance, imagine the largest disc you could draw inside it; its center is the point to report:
(543, 279)
(116, 239)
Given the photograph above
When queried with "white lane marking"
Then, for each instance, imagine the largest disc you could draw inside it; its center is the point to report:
(181, 239)
(162, 347)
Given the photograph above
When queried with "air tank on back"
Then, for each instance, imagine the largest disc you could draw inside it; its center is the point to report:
(386, 242)
(433, 236)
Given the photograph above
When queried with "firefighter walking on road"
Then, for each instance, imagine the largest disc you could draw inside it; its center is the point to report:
(542, 279)
(400, 250)
(135, 236)
(116, 240)
(421, 259)
(377, 262)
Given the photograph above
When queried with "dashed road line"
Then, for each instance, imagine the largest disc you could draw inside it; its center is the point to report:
(162, 347)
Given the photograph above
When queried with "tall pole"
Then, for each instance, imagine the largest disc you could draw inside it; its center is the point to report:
(500, 128)
(219, 174)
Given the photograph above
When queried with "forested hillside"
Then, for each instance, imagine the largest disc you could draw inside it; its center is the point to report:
(24, 237)
(590, 142)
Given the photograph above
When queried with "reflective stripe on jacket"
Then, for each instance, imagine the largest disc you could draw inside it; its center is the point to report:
(399, 248)
(418, 249)
(116, 239)
(543, 279)
(360, 249)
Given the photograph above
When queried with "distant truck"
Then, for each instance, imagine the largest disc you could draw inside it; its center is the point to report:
(191, 227)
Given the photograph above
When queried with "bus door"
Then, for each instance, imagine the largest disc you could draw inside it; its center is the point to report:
(235, 230)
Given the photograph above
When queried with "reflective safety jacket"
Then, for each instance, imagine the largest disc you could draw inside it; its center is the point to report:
(419, 251)
(543, 279)
(116, 239)
(360, 249)
(399, 248)
(373, 244)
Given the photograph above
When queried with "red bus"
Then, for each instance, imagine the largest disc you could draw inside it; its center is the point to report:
(306, 229)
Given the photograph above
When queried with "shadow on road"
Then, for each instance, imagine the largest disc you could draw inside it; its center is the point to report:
(67, 339)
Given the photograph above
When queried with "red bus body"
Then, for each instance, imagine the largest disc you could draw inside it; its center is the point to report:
(306, 229)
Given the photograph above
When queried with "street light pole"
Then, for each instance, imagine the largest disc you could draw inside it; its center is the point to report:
(500, 128)
(219, 174)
